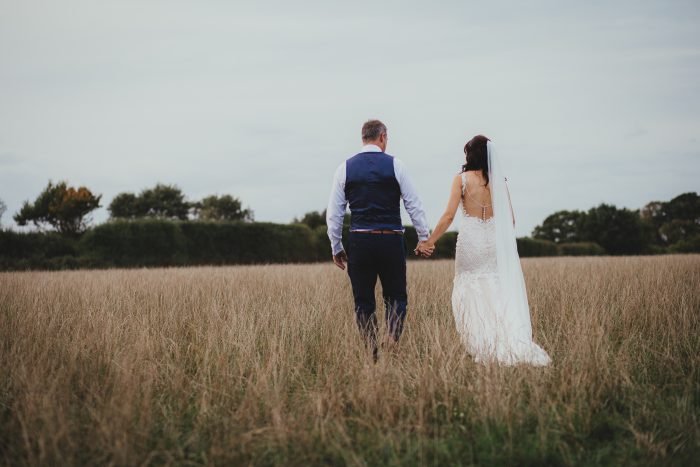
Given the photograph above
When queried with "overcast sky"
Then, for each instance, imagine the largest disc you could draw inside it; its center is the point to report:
(588, 102)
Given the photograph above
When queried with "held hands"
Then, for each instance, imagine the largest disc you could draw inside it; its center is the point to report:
(424, 249)
(340, 259)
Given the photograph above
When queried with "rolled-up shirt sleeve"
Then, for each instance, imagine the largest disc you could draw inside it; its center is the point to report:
(411, 202)
(337, 203)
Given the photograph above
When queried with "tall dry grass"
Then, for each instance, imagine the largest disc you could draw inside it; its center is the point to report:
(264, 365)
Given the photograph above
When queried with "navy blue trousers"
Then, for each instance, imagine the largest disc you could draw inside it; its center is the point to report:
(384, 256)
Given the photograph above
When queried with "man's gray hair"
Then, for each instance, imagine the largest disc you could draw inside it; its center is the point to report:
(372, 130)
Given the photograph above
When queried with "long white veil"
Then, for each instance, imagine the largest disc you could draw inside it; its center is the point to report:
(511, 282)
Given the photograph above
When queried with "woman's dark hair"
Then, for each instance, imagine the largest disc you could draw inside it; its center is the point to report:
(477, 156)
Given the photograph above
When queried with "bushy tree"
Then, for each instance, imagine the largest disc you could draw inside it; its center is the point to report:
(653, 217)
(168, 202)
(673, 221)
(161, 201)
(677, 230)
(125, 206)
(62, 207)
(619, 231)
(222, 208)
(318, 218)
(561, 227)
(312, 218)
(165, 202)
(685, 207)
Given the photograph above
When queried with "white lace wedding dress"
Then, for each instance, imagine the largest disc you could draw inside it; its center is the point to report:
(489, 330)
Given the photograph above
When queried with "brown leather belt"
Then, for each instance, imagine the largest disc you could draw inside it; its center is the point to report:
(378, 232)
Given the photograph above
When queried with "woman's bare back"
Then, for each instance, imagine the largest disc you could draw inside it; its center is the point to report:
(476, 198)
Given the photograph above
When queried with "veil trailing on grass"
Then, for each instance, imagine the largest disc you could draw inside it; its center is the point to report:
(511, 282)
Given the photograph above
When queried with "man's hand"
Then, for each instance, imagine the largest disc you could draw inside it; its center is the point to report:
(340, 259)
(424, 249)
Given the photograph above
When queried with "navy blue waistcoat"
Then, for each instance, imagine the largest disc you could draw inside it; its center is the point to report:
(372, 191)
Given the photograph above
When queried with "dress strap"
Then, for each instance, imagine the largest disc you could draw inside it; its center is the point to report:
(464, 182)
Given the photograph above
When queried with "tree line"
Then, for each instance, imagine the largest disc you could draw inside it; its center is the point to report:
(158, 227)
(67, 209)
(658, 227)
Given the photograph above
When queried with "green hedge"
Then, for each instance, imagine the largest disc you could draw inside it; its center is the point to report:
(528, 247)
(691, 245)
(152, 242)
(179, 243)
(247, 243)
(37, 250)
(147, 242)
(581, 249)
(445, 247)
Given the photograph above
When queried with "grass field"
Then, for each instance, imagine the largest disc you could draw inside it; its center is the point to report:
(263, 365)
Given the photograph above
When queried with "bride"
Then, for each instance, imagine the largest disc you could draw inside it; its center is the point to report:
(489, 301)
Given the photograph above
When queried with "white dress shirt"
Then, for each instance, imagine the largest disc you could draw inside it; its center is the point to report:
(338, 203)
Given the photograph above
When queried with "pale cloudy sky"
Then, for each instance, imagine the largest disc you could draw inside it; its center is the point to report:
(588, 102)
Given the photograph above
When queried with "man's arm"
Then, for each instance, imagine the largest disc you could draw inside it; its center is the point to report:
(411, 201)
(336, 210)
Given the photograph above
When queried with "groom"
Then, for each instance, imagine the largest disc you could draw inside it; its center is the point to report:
(373, 183)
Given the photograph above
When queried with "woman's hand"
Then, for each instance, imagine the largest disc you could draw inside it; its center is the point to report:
(424, 249)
